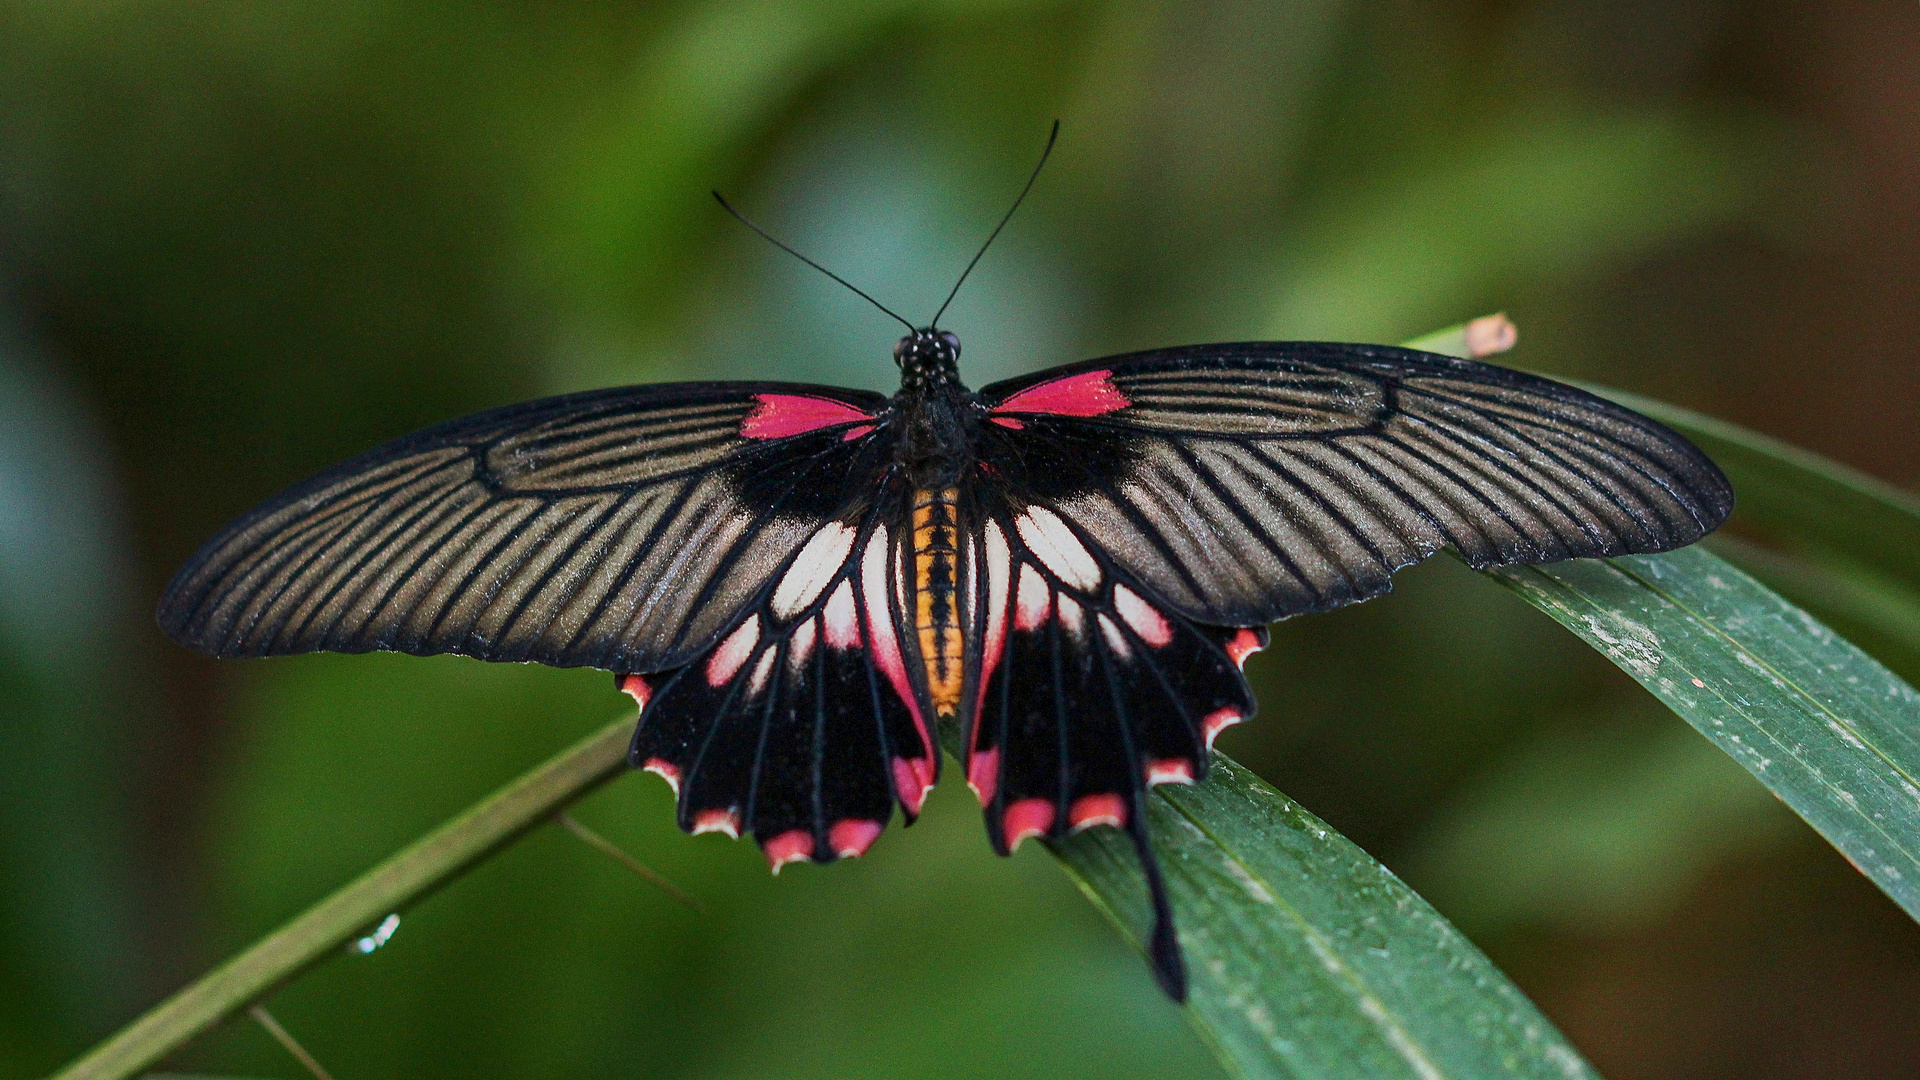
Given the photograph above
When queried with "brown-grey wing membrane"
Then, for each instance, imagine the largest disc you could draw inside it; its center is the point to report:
(1250, 482)
(620, 529)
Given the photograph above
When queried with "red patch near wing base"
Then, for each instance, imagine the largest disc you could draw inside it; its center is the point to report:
(776, 416)
(1090, 393)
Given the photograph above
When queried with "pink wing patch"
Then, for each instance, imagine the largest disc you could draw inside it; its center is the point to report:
(1090, 393)
(776, 416)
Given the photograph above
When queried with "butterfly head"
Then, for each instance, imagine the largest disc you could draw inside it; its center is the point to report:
(928, 357)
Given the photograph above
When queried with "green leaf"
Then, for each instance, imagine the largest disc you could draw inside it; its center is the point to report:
(1823, 725)
(1307, 958)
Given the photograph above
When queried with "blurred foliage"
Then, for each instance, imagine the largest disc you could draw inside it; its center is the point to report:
(239, 242)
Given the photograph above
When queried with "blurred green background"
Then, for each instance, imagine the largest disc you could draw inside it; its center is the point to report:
(242, 240)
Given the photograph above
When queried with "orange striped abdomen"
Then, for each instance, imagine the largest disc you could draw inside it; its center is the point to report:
(936, 618)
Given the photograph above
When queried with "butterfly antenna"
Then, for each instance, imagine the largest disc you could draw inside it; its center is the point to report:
(1051, 136)
(768, 237)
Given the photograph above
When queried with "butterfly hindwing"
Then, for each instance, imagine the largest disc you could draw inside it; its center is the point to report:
(1250, 482)
(800, 724)
(619, 529)
(1090, 691)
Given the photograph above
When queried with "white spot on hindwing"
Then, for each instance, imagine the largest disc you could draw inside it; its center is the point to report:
(760, 672)
(843, 622)
(800, 645)
(1071, 616)
(733, 652)
(811, 571)
(1115, 639)
(1052, 542)
(1142, 616)
(1032, 603)
(999, 584)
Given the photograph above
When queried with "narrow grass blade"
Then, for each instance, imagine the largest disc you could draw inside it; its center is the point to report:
(430, 862)
(1307, 958)
(1823, 725)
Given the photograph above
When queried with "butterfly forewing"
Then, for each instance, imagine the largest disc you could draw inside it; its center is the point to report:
(1246, 483)
(620, 529)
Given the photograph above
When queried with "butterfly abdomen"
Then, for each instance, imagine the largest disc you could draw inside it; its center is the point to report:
(935, 585)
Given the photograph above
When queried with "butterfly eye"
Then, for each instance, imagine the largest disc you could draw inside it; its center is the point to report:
(952, 341)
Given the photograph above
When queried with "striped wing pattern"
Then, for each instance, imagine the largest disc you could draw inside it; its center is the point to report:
(1247, 483)
(620, 529)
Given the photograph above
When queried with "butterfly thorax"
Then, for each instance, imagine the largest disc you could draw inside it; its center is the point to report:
(932, 409)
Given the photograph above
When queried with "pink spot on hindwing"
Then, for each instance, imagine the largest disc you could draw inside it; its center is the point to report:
(665, 770)
(1034, 603)
(1169, 771)
(1090, 393)
(886, 650)
(794, 845)
(1090, 810)
(776, 416)
(1145, 619)
(733, 652)
(1026, 818)
(1244, 644)
(912, 779)
(1218, 721)
(983, 774)
(999, 583)
(852, 837)
(720, 821)
(636, 688)
(843, 624)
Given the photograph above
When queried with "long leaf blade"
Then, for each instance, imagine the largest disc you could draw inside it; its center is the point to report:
(1823, 725)
(1308, 958)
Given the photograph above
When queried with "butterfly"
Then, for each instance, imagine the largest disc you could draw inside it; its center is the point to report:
(805, 587)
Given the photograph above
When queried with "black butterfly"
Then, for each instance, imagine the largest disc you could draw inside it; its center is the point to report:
(801, 584)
